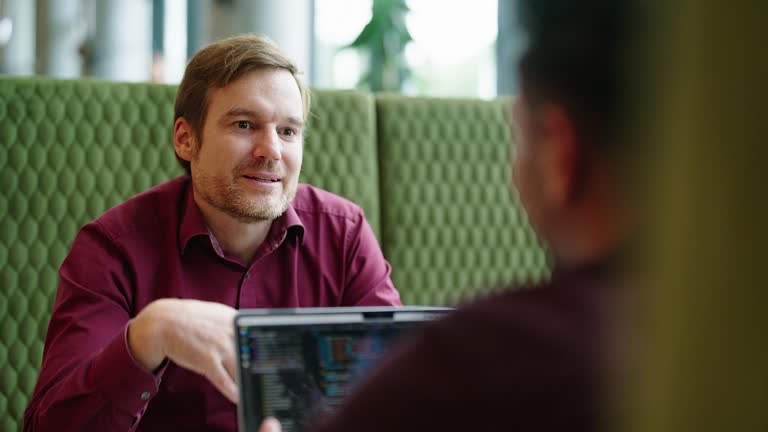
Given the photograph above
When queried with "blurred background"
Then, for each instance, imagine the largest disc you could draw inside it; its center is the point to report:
(414, 47)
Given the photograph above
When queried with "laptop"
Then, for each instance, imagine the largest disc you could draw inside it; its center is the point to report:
(296, 364)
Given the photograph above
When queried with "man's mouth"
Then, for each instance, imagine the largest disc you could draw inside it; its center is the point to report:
(263, 178)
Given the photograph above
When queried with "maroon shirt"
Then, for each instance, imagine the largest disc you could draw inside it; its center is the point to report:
(529, 360)
(321, 252)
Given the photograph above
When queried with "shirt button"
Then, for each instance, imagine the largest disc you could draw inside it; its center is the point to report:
(144, 395)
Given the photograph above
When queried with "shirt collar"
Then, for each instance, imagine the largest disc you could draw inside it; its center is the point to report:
(193, 223)
(289, 222)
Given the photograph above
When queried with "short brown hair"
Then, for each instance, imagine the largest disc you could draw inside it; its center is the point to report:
(220, 63)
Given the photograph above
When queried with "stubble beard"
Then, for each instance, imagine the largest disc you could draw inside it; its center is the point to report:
(228, 196)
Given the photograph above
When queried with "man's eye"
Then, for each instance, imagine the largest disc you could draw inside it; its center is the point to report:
(289, 132)
(242, 124)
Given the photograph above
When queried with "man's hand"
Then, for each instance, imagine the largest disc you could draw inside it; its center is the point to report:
(270, 424)
(195, 335)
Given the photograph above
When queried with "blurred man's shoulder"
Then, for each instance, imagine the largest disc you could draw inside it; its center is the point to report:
(570, 305)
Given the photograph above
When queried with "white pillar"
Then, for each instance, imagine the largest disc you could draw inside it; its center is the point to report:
(65, 33)
(287, 22)
(122, 43)
(18, 54)
(175, 40)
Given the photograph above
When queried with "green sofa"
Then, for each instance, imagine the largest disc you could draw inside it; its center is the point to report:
(431, 175)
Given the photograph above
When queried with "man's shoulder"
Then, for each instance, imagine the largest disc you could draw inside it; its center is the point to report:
(571, 305)
(572, 288)
(313, 200)
(156, 205)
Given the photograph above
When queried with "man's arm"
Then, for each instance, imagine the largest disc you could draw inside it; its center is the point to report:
(88, 379)
(367, 279)
(196, 335)
(100, 368)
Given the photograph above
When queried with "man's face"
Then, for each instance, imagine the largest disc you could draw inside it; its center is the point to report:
(249, 160)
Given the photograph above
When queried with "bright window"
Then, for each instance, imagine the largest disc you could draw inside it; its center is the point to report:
(453, 52)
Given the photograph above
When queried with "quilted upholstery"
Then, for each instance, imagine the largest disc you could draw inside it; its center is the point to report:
(69, 150)
(450, 229)
(340, 148)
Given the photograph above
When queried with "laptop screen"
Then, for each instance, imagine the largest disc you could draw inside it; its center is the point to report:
(296, 366)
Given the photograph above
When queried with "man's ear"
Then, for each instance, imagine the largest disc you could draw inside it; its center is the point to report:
(184, 140)
(561, 156)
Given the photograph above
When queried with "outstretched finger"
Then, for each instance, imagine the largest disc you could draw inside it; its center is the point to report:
(228, 361)
(222, 380)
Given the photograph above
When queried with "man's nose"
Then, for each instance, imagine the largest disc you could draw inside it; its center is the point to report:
(267, 145)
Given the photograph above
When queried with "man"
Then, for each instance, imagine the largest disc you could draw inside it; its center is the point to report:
(536, 359)
(141, 333)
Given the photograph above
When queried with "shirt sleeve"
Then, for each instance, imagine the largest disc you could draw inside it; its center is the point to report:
(367, 279)
(89, 379)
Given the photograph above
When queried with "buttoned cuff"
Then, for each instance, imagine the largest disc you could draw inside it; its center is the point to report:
(121, 380)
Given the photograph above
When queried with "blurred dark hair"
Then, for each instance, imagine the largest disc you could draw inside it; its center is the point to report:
(576, 56)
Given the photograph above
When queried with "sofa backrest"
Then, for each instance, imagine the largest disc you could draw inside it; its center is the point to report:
(340, 148)
(69, 150)
(449, 226)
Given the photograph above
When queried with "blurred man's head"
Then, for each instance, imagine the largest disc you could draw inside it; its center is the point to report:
(568, 115)
(240, 113)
